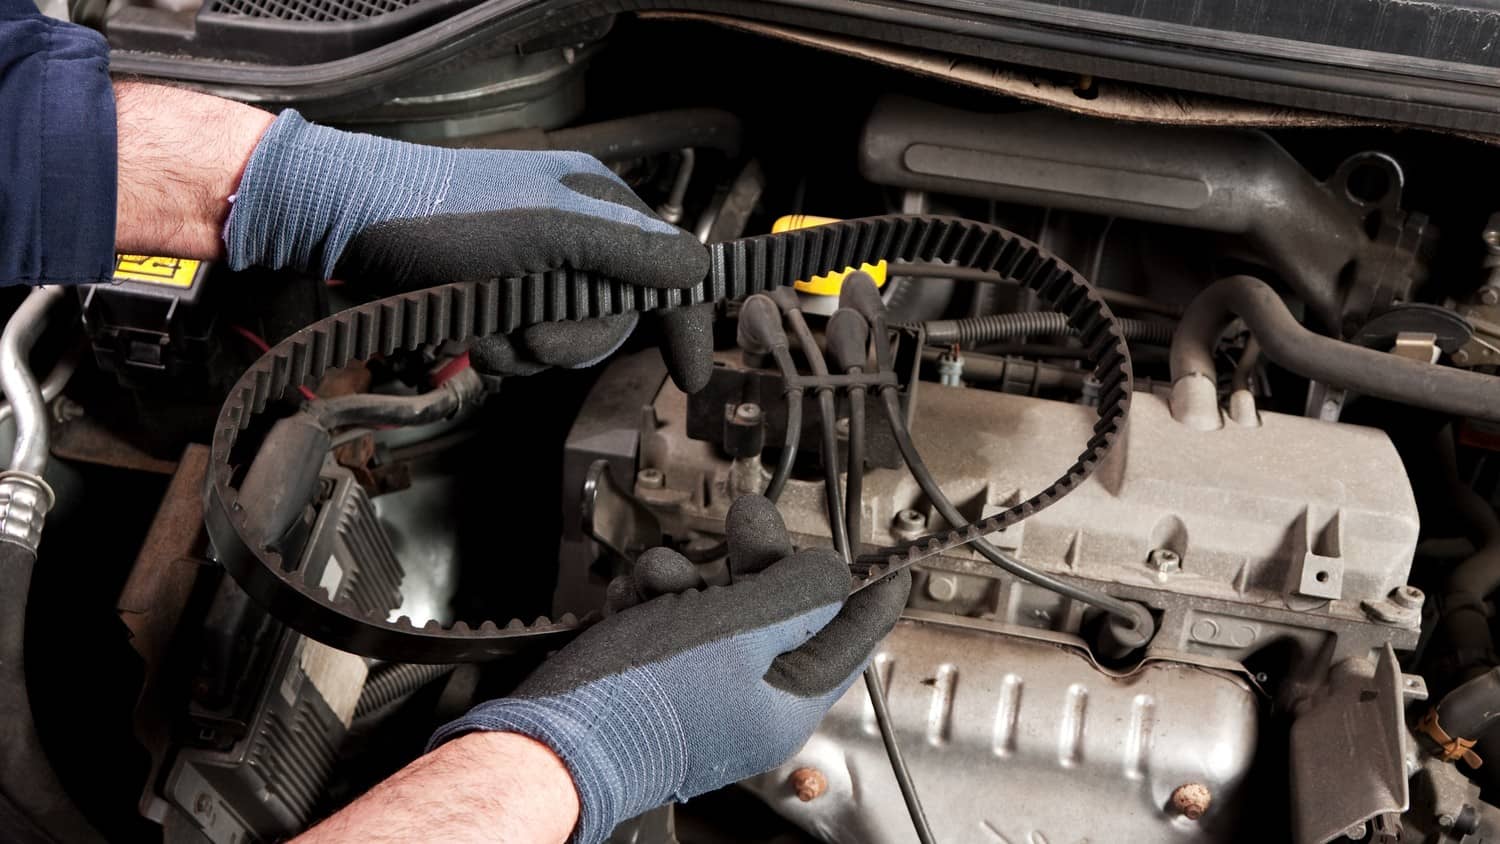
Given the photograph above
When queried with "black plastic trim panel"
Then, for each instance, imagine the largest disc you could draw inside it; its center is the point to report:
(1412, 89)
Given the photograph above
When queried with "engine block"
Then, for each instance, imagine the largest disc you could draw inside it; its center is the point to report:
(1290, 527)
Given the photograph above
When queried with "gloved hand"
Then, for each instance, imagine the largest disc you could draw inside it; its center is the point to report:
(692, 690)
(402, 216)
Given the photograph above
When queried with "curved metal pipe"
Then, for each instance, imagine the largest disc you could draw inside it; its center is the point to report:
(55, 382)
(1286, 342)
(26, 400)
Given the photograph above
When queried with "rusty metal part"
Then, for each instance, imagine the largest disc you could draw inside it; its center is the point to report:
(347, 380)
(808, 784)
(358, 456)
(154, 597)
(1191, 800)
(87, 440)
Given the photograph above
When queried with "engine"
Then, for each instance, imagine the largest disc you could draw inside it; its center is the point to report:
(1238, 542)
(1180, 409)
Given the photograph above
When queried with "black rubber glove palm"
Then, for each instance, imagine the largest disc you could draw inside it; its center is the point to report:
(400, 216)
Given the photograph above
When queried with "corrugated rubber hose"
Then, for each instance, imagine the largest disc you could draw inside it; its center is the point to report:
(992, 328)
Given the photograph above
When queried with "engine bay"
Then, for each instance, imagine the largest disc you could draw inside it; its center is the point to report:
(1183, 420)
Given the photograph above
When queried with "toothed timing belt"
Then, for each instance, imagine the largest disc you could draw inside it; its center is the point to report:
(467, 310)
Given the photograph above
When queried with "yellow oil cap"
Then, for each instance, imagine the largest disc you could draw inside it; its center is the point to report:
(831, 283)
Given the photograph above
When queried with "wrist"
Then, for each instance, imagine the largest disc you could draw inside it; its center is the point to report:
(548, 791)
(623, 753)
(482, 787)
(181, 155)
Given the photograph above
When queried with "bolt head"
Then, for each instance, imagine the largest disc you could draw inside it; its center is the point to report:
(1409, 597)
(1445, 821)
(942, 587)
(808, 784)
(650, 479)
(1356, 832)
(1491, 233)
(1461, 357)
(1164, 560)
(1489, 295)
(909, 524)
(841, 427)
(748, 412)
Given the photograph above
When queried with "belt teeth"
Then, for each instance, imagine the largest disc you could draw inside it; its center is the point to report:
(468, 309)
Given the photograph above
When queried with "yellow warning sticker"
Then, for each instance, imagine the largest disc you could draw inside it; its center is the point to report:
(172, 272)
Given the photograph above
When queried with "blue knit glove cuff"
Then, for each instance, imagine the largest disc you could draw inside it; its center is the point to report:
(296, 203)
(308, 191)
(618, 737)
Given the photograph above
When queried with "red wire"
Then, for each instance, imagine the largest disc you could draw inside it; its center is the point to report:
(450, 369)
(260, 344)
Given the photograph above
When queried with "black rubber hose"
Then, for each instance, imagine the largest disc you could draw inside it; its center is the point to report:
(788, 446)
(1285, 342)
(848, 338)
(394, 682)
(1140, 620)
(1472, 709)
(898, 761)
(827, 419)
(1465, 614)
(978, 331)
(638, 136)
(836, 523)
(33, 804)
(377, 409)
(855, 480)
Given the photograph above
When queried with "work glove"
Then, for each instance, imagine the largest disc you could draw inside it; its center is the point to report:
(400, 216)
(682, 692)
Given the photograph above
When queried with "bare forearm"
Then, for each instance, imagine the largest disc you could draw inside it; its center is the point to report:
(181, 156)
(490, 787)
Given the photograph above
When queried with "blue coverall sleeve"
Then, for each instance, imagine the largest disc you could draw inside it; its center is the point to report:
(57, 150)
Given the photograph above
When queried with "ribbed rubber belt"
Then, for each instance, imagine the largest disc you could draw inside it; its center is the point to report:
(466, 310)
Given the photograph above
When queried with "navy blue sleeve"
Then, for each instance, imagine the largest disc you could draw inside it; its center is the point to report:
(57, 150)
